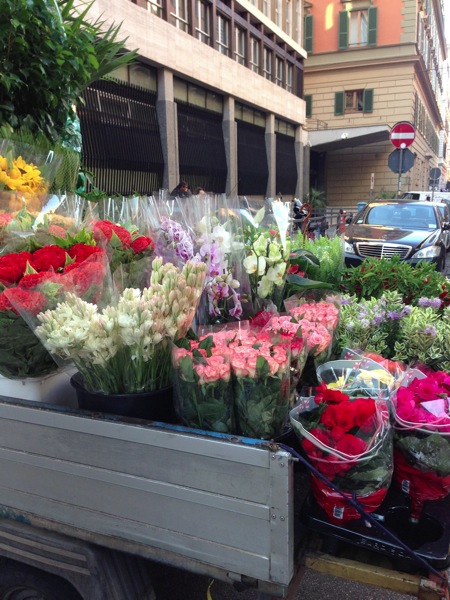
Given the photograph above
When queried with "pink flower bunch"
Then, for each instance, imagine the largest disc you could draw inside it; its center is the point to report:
(318, 338)
(426, 402)
(211, 368)
(325, 313)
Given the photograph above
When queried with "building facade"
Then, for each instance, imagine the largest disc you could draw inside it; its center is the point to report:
(216, 99)
(370, 65)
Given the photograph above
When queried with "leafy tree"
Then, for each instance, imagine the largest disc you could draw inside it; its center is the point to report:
(51, 52)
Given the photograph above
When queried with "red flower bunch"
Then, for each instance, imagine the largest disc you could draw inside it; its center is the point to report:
(141, 243)
(12, 267)
(30, 301)
(425, 402)
(348, 440)
(49, 258)
(105, 230)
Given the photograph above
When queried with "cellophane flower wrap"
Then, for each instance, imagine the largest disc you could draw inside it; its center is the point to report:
(290, 330)
(318, 317)
(204, 391)
(349, 441)
(360, 376)
(260, 366)
(422, 436)
(258, 363)
(124, 346)
(268, 248)
(31, 277)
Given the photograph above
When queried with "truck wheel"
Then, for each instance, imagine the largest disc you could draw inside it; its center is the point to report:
(22, 582)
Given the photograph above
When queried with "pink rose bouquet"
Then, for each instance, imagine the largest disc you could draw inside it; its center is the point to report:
(202, 374)
(422, 438)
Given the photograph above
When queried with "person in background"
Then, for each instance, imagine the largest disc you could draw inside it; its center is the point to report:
(181, 190)
(200, 191)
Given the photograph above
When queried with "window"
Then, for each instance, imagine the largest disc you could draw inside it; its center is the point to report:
(308, 33)
(278, 12)
(179, 14)
(358, 28)
(279, 64)
(267, 67)
(203, 16)
(289, 77)
(353, 101)
(308, 101)
(240, 46)
(155, 7)
(289, 18)
(223, 35)
(266, 7)
(298, 20)
(254, 54)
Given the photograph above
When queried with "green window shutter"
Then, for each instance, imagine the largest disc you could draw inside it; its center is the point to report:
(368, 101)
(308, 101)
(339, 99)
(343, 30)
(308, 41)
(373, 22)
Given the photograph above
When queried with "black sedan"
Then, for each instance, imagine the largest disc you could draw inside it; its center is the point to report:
(412, 230)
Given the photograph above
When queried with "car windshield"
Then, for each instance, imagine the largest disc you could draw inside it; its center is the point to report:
(406, 216)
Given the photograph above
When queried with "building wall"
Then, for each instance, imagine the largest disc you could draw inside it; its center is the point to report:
(400, 70)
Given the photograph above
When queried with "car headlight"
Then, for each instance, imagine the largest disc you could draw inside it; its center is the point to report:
(348, 247)
(428, 252)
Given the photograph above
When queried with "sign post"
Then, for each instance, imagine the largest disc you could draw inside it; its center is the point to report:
(402, 135)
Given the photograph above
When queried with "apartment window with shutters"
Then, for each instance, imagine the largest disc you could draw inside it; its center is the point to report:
(240, 46)
(279, 64)
(298, 21)
(203, 16)
(308, 33)
(179, 14)
(223, 35)
(308, 107)
(267, 66)
(353, 101)
(358, 28)
(254, 54)
(289, 77)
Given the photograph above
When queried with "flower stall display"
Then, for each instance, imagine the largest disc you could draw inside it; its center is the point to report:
(249, 364)
(349, 441)
(422, 437)
(125, 346)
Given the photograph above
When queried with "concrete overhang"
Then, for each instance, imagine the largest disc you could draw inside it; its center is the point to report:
(327, 140)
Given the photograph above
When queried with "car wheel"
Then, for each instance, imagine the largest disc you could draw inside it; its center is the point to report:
(22, 582)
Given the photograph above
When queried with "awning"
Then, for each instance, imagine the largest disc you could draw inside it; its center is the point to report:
(327, 140)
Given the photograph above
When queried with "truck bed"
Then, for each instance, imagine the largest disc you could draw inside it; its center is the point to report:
(214, 504)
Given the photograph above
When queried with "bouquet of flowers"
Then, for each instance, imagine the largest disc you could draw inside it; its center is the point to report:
(125, 347)
(204, 393)
(422, 437)
(31, 281)
(268, 250)
(349, 441)
(259, 385)
(318, 320)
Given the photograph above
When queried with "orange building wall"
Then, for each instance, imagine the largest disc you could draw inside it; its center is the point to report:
(326, 23)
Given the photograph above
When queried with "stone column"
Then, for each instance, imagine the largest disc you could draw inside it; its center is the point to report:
(229, 129)
(302, 152)
(166, 111)
(271, 151)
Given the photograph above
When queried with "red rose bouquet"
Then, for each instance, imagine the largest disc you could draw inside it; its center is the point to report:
(422, 437)
(30, 282)
(349, 441)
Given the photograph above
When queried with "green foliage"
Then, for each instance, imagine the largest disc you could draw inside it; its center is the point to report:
(330, 258)
(51, 51)
(374, 276)
(316, 199)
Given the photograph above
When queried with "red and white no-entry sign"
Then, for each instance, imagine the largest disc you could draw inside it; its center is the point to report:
(402, 134)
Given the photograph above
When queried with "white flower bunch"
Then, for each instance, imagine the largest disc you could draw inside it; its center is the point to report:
(125, 347)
